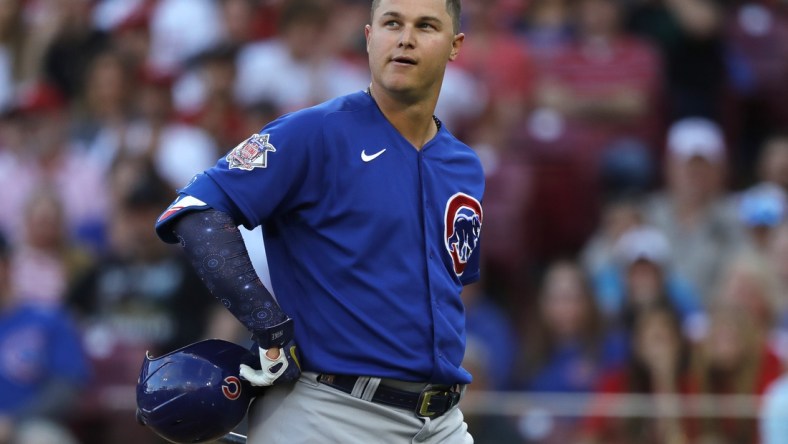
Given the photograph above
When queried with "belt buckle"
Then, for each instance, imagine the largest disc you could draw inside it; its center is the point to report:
(452, 394)
(424, 402)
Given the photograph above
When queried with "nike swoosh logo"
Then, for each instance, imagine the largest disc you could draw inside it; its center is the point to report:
(370, 157)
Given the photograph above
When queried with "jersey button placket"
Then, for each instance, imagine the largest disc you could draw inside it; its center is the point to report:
(426, 204)
(429, 250)
(428, 209)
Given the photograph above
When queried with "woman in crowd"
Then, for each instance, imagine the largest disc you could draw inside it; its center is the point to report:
(736, 356)
(657, 371)
(568, 346)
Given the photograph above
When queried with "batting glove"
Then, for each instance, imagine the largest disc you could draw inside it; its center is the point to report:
(285, 368)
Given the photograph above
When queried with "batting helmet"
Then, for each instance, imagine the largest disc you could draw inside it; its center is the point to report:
(194, 394)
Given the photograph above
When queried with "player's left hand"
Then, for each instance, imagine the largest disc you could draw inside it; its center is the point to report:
(277, 366)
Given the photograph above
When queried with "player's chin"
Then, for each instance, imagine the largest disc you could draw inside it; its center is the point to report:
(403, 85)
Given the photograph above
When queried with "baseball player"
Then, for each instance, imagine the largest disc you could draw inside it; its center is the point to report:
(371, 215)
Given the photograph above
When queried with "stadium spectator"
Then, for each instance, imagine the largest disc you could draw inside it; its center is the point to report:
(775, 404)
(604, 87)
(618, 215)
(127, 23)
(569, 343)
(43, 370)
(693, 210)
(643, 274)
(750, 283)
(772, 424)
(26, 31)
(756, 39)
(104, 109)
(46, 261)
(545, 26)
(689, 35)
(176, 148)
(39, 152)
(203, 96)
(658, 365)
(502, 64)
(733, 359)
(74, 44)
(612, 78)
(777, 256)
(762, 208)
(762, 204)
(294, 69)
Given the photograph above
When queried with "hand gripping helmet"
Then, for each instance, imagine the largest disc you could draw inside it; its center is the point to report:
(194, 394)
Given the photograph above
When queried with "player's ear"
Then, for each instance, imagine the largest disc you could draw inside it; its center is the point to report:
(456, 44)
(367, 30)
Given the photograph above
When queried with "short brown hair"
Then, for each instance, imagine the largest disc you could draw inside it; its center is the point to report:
(453, 7)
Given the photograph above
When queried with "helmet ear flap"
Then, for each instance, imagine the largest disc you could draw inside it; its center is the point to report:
(195, 394)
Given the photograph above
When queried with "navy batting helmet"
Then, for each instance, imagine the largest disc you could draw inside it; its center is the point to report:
(194, 394)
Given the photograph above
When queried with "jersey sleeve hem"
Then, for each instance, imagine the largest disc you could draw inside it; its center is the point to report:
(182, 205)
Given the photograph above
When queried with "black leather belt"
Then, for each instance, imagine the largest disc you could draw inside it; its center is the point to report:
(431, 402)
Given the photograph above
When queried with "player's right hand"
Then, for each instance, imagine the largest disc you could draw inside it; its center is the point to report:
(277, 366)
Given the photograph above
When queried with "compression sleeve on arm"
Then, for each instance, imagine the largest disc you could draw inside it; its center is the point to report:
(214, 245)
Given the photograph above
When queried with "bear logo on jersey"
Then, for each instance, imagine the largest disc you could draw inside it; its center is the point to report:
(251, 153)
(463, 225)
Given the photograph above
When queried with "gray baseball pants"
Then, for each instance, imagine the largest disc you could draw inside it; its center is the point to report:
(309, 412)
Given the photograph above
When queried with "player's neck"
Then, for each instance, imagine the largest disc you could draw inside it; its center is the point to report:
(413, 120)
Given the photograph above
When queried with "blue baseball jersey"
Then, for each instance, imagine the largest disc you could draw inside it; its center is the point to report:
(369, 240)
(37, 345)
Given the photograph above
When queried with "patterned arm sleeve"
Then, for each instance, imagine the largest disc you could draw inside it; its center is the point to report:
(215, 247)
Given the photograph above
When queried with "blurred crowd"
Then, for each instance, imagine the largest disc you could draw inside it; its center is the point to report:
(635, 237)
